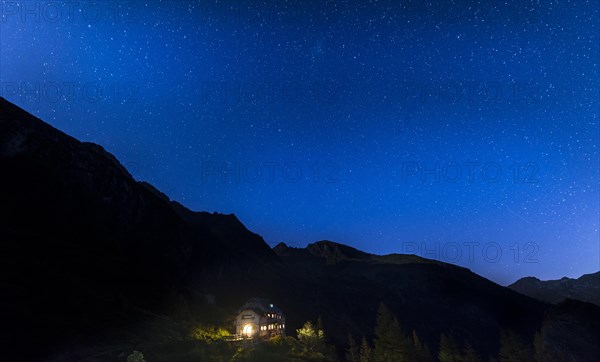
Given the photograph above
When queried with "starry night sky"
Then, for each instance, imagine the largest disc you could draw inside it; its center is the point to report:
(391, 126)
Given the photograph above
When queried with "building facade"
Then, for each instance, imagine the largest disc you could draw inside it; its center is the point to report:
(259, 318)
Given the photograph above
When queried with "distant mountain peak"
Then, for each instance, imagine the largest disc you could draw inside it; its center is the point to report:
(585, 288)
(280, 249)
(334, 252)
(528, 279)
(228, 227)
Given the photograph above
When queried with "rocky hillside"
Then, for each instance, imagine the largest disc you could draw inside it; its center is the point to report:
(570, 332)
(81, 240)
(585, 288)
(346, 286)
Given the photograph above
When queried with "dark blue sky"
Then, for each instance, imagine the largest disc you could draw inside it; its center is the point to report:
(393, 126)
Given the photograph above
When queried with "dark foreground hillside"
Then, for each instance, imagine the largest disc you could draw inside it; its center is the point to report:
(95, 264)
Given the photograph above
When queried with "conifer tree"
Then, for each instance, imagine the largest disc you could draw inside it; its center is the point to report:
(311, 338)
(449, 350)
(421, 352)
(391, 345)
(366, 354)
(352, 351)
(513, 349)
(469, 353)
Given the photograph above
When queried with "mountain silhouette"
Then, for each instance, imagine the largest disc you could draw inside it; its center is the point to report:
(81, 238)
(88, 254)
(586, 288)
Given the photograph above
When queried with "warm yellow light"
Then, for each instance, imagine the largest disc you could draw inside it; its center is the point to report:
(247, 329)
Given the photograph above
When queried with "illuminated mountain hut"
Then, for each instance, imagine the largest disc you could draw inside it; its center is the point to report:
(259, 318)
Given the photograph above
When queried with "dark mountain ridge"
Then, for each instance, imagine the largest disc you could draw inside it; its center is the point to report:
(426, 295)
(80, 236)
(85, 247)
(585, 288)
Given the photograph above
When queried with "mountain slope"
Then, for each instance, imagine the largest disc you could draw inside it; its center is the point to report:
(88, 252)
(570, 332)
(585, 288)
(429, 296)
(81, 238)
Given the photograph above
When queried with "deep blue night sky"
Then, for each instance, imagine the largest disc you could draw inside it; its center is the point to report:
(197, 97)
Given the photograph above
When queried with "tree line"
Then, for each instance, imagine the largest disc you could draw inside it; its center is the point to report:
(392, 344)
